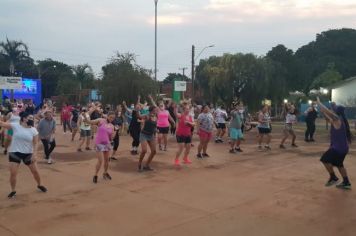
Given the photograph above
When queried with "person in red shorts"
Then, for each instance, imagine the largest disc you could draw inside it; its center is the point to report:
(205, 124)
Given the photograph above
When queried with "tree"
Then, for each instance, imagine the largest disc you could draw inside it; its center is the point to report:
(14, 52)
(123, 80)
(328, 77)
(84, 75)
(174, 76)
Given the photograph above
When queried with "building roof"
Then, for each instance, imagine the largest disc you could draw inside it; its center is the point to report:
(342, 83)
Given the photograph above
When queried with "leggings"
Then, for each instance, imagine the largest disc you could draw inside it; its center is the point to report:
(66, 123)
(310, 130)
(48, 146)
(135, 134)
(116, 141)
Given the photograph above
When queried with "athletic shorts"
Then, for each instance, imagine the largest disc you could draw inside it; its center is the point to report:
(103, 147)
(221, 126)
(205, 135)
(73, 125)
(146, 137)
(333, 157)
(262, 130)
(236, 134)
(288, 129)
(163, 130)
(17, 157)
(184, 139)
(85, 133)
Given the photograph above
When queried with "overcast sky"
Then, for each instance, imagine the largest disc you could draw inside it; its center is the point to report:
(91, 31)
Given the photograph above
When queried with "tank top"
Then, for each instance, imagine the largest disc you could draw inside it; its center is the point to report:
(183, 129)
(83, 124)
(163, 119)
(149, 127)
(291, 118)
(338, 139)
(266, 119)
(104, 133)
(14, 118)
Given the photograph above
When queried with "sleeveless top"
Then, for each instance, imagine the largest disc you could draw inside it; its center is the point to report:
(266, 119)
(149, 128)
(14, 118)
(183, 129)
(163, 119)
(338, 139)
(104, 133)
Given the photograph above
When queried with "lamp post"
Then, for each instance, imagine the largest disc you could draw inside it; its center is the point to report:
(194, 58)
(156, 2)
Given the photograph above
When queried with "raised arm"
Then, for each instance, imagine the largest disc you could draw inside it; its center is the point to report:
(329, 115)
(152, 100)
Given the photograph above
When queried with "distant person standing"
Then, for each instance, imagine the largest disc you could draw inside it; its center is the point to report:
(85, 130)
(74, 121)
(220, 116)
(310, 116)
(65, 117)
(291, 119)
(264, 127)
(205, 123)
(30, 108)
(236, 134)
(47, 130)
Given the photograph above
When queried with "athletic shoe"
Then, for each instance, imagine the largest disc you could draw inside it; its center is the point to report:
(107, 176)
(49, 161)
(205, 155)
(267, 147)
(186, 160)
(220, 140)
(294, 145)
(12, 194)
(147, 168)
(232, 151)
(79, 150)
(331, 181)
(95, 179)
(199, 155)
(176, 162)
(343, 185)
(42, 188)
(282, 146)
(238, 150)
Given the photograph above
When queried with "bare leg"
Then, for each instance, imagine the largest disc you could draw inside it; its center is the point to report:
(165, 140)
(13, 175)
(329, 168)
(343, 172)
(152, 145)
(34, 171)
(200, 146)
(205, 146)
(180, 150)
(268, 139)
(187, 150)
(260, 139)
(223, 131)
(106, 161)
(284, 138)
(143, 152)
(99, 163)
(88, 142)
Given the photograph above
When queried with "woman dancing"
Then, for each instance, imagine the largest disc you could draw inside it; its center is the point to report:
(291, 120)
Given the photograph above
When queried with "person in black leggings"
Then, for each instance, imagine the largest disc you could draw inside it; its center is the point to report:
(118, 122)
(135, 128)
(311, 115)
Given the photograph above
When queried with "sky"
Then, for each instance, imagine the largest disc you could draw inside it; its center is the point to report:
(91, 31)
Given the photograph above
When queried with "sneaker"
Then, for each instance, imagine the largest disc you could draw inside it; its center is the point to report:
(49, 161)
(238, 150)
(199, 155)
(220, 140)
(107, 176)
(294, 145)
(42, 188)
(176, 162)
(343, 185)
(12, 194)
(79, 150)
(267, 147)
(147, 168)
(282, 146)
(232, 151)
(186, 160)
(205, 155)
(331, 181)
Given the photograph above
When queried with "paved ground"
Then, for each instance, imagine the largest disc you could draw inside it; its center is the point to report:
(254, 193)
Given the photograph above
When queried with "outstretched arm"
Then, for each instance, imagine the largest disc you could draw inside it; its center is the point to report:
(329, 115)
(152, 100)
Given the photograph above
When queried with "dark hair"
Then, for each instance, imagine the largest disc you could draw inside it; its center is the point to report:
(151, 109)
(340, 111)
(23, 115)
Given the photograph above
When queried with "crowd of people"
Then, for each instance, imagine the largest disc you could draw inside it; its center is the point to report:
(148, 123)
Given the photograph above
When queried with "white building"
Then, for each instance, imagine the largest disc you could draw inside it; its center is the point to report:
(344, 92)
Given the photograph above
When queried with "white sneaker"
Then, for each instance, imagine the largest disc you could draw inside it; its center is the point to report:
(49, 161)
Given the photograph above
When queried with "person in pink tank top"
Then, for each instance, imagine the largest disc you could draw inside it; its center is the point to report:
(184, 134)
(163, 119)
(104, 136)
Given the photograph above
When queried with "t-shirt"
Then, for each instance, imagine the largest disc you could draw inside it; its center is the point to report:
(291, 118)
(46, 127)
(83, 124)
(220, 116)
(22, 139)
(184, 129)
(206, 122)
(266, 119)
(236, 120)
(163, 119)
(66, 111)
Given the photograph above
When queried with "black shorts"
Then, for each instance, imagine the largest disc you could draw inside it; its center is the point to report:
(221, 126)
(184, 139)
(264, 130)
(333, 157)
(17, 157)
(163, 130)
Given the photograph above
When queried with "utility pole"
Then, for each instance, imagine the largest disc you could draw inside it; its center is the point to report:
(193, 71)
(183, 69)
(156, 2)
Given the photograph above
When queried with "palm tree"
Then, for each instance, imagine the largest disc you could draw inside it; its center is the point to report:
(84, 75)
(13, 52)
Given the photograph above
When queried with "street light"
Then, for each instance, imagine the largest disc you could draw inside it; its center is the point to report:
(194, 58)
(156, 2)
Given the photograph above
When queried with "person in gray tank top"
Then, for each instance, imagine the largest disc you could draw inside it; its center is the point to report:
(340, 138)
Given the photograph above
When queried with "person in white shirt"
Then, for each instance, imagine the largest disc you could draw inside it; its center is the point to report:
(220, 116)
(23, 148)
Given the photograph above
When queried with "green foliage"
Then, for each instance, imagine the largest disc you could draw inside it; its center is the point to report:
(175, 76)
(123, 80)
(328, 77)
